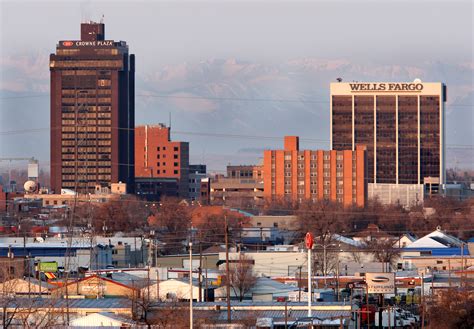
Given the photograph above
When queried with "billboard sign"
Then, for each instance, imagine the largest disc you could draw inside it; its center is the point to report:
(380, 283)
(48, 266)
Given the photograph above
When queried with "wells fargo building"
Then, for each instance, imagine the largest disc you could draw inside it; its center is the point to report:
(402, 125)
(92, 112)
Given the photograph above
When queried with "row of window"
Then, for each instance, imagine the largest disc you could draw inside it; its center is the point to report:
(88, 136)
(159, 156)
(159, 148)
(86, 128)
(82, 121)
(175, 164)
(175, 172)
(92, 142)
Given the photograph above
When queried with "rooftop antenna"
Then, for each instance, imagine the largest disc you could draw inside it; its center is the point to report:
(102, 19)
(169, 123)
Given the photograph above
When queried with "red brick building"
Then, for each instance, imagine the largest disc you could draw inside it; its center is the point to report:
(332, 175)
(156, 156)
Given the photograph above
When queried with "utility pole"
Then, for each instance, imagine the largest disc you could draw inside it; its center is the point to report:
(299, 286)
(422, 299)
(190, 285)
(200, 271)
(462, 264)
(227, 268)
(206, 284)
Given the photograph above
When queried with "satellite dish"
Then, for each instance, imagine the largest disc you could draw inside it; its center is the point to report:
(417, 80)
(30, 186)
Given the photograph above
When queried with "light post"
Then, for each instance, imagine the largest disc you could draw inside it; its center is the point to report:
(309, 241)
(190, 285)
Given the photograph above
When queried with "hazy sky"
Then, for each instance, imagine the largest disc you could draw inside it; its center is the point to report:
(241, 49)
(167, 32)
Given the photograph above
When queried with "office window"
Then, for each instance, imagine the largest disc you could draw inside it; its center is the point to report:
(176, 148)
(175, 164)
(175, 156)
(176, 172)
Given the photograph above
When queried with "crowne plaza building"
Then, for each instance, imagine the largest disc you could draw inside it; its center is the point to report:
(92, 112)
(402, 125)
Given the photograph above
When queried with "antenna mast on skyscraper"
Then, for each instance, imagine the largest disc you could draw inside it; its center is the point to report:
(102, 19)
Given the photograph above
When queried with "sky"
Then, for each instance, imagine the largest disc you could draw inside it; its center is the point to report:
(241, 68)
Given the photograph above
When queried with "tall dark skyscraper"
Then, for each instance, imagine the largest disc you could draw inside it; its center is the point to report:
(402, 125)
(92, 112)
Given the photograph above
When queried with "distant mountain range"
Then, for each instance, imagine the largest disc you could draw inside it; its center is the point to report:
(217, 97)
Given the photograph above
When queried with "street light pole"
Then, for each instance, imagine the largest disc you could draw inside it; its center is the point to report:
(190, 285)
(309, 282)
(309, 241)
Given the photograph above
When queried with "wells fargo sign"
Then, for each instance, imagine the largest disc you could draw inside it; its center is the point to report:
(383, 86)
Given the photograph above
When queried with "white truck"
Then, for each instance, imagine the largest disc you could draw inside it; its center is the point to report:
(397, 318)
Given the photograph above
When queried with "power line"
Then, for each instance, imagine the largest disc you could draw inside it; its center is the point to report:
(220, 135)
(240, 99)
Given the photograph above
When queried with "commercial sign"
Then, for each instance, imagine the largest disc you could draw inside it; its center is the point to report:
(95, 43)
(309, 240)
(48, 266)
(383, 86)
(380, 283)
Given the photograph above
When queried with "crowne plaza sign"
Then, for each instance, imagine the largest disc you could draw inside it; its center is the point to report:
(383, 86)
(80, 43)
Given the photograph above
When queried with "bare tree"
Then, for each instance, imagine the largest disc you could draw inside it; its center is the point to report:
(174, 315)
(10, 271)
(323, 219)
(211, 228)
(172, 222)
(241, 277)
(452, 308)
(41, 313)
(383, 251)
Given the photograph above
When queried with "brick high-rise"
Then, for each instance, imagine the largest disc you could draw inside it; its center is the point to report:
(92, 112)
(156, 156)
(338, 176)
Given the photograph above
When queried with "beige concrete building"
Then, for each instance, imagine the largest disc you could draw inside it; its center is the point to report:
(281, 222)
(236, 192)
(97, 287)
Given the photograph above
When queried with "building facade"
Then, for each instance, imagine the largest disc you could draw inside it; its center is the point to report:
(318, 175)
(156, 156)
(196, 174)
(92, 112)
(245, 172)
(401, 124)
(235, 192)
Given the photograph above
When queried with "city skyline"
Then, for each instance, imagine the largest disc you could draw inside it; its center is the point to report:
(249, 91)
